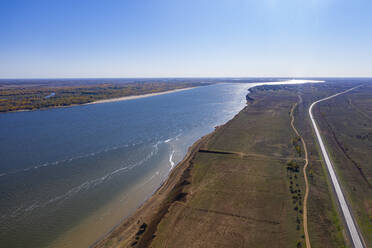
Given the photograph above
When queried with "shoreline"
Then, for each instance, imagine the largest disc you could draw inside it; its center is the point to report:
(116, 99)
(153, 209)
(125, 98)
(132, 97)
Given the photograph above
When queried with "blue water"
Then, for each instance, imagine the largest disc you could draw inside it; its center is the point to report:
(60, 166)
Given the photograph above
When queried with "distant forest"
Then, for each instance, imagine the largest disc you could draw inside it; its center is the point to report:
(14, 97)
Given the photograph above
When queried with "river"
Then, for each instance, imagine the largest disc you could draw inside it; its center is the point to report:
(69, 175)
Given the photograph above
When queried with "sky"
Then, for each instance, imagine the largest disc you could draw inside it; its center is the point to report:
(185, 38)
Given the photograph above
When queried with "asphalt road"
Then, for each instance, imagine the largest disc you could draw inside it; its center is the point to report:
(351, 225)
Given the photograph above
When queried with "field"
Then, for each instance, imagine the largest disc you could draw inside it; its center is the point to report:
(243, 186)
(326, 228)
(236, 199)
(346, 123)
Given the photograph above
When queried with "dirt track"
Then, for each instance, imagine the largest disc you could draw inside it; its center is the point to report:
(307, 239)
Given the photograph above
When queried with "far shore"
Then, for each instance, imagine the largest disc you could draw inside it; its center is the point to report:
(124, 98)
(117, 99)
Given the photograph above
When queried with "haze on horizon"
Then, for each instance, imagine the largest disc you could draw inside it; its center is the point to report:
(195, 38)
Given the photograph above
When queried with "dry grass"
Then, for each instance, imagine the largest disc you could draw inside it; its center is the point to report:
(235, 189)
(238, 201)
(346, 123)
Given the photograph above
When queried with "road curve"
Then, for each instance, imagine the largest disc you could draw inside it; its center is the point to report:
(351, 225)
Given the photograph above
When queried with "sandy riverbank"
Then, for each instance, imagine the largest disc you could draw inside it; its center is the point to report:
(152, 210)
(117, 99)
(133, 231)
(124, 98)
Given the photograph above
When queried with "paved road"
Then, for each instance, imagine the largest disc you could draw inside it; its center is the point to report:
(351, 225)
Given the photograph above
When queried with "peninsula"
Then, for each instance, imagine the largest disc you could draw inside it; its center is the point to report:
(31, 95)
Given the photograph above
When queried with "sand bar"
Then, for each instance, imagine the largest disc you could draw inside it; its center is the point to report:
(124, 98)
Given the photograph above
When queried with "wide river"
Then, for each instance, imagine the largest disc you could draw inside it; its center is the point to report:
(69, 175)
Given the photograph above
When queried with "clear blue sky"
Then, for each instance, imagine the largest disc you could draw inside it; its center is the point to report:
(185, 38)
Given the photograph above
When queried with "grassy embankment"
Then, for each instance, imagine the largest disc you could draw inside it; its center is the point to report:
(325, 225)
(33, 96)
(241, 186)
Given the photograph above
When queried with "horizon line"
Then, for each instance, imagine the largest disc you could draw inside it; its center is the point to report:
(186, 77)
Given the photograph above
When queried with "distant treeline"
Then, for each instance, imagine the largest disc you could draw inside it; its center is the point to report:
(36, 97)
